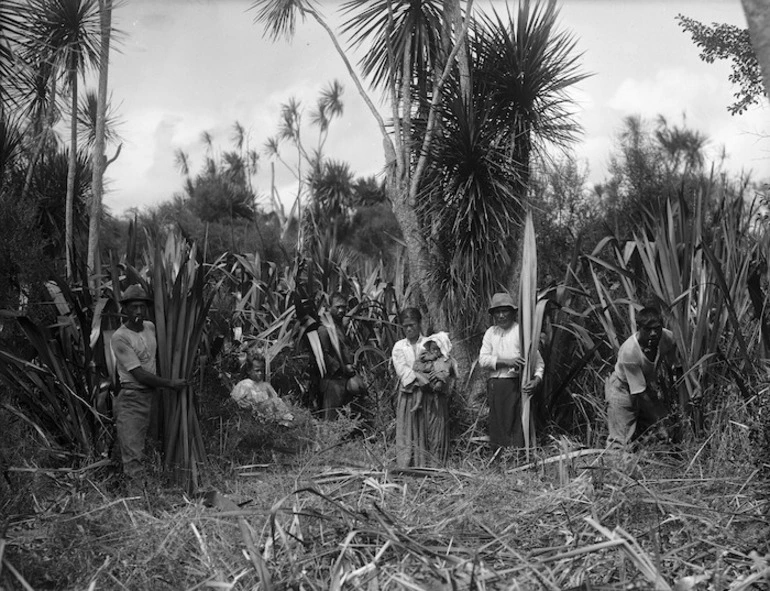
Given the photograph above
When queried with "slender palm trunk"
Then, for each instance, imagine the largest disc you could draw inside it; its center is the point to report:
(69, 235)
(98, 160)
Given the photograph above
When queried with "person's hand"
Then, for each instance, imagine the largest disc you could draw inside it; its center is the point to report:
(515, 363)
(529, 387)
(177, 384)
(421, 379)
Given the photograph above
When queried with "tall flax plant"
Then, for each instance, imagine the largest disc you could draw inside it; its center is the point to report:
(610, 308)
(265, 304)
(531, 311)
(701, 283)
(181, 306)
(673, 272)
(56, 392)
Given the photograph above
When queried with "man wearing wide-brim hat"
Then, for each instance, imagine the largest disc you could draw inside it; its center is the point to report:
(501, 353)
(135, 346)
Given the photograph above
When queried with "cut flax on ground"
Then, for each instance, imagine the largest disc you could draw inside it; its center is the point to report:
(592, 521)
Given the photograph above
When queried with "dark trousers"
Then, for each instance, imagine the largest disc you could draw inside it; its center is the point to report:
(504, 397)
(132, 419)
(334, 395)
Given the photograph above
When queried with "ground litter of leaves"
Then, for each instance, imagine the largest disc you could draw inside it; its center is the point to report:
(345, 518)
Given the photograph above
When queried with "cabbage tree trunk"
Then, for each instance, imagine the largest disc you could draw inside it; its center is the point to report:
(98, 159)
(69, 205)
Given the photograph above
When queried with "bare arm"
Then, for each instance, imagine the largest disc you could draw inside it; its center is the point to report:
(150, 380)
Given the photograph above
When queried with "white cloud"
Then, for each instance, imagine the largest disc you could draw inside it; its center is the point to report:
(670, 92)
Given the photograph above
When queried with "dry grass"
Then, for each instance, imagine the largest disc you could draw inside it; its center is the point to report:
(335, 514)
(592, 521)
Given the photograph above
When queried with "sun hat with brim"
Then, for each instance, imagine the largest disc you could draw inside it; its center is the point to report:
(135, 293)
(502, 300)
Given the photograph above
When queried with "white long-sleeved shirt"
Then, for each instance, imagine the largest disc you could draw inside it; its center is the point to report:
(497, 343)
(404, 355)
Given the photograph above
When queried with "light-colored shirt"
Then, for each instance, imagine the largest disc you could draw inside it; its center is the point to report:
(500, 343)
(132, 350)
(634, 369)
(404, 355)
(262, 399)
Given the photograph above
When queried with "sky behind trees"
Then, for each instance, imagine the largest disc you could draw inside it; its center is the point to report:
(182, 67)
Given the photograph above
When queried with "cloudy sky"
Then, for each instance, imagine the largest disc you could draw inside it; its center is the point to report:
(189, 66)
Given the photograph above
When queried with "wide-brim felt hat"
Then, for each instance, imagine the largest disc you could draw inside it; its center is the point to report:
(502, 300)
(135, 293)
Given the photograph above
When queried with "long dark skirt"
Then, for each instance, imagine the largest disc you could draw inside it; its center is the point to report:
(411, 439)
(422, 434)
(504, 397)
(436, 409)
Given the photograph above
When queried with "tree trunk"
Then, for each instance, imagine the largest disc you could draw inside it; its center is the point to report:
(69, 235)
(758, 18)
(98, 160)
(454, 22)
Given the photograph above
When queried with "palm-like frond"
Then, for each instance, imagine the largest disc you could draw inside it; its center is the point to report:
(683, 147)
(291, 119)
(12, 31)
(239, 135)
(331, 187)
(207, 140)
(49, 188)
(67, 32)
(35, 91)
(280, 16)
(331, 99)
(415, 33)
(252, 161)
(182, 161)
(469, 201)
(329, 106)
(87, 121)
(272, 145)
(527, 66)
(10, 143)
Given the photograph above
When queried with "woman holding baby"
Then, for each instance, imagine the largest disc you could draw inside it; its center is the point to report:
(424, 369)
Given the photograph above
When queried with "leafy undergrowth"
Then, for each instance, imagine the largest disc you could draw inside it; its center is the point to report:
(336, 514)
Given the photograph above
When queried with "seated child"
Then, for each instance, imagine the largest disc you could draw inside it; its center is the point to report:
(257, 395)
(435, 362)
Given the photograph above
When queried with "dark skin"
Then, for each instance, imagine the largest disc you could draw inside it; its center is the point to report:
(649, 338)
(338, 309)
(136, 312)
(504, 318)
(257, 371)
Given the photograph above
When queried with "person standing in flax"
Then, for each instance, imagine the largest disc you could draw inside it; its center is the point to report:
(134, 346)
(431, 401)
(411, 436)
(634, 402)
(341, 385)
(501, 353)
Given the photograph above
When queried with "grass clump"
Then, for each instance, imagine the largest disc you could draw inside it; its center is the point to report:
(332, 512)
